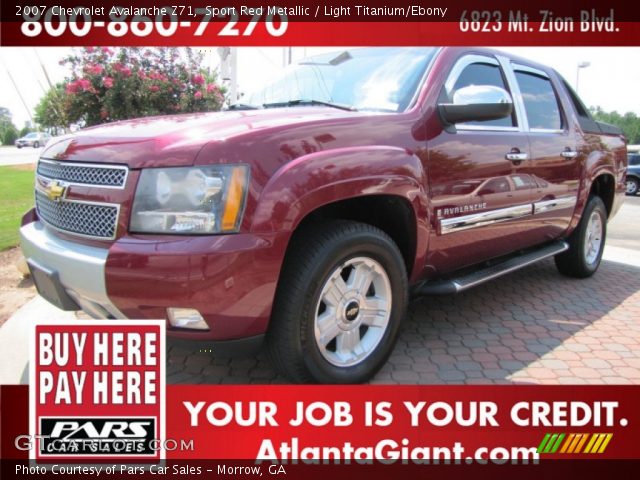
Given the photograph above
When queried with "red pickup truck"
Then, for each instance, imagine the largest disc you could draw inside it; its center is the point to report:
(307, 216)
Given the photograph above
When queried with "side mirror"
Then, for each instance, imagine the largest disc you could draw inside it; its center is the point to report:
(476, 103)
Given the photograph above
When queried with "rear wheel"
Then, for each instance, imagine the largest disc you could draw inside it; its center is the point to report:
(586, 243)
(36, 144)
(633, 185)
(342, 295)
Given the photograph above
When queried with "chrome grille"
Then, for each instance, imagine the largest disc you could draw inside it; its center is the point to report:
(85, 174)
(88, 219)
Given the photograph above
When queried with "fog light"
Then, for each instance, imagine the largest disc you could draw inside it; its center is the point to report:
(186, 318)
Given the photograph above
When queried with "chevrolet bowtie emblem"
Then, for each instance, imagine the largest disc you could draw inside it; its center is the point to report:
(55, 191)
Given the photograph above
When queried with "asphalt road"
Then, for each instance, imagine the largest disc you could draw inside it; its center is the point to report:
(18, 156)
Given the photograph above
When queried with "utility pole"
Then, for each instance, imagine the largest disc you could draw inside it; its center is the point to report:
(15, 85)
(37, 78)
(44, 70)
(51, 87)
(229, 71)
(287, 56)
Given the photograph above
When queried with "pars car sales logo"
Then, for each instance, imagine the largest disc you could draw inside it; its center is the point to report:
(97, 390)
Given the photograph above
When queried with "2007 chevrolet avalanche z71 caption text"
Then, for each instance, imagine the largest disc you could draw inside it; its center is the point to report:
(307, 216)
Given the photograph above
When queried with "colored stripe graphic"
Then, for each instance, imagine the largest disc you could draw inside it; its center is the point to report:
(581, 442)
(602, 440)
(569, 441)
(550, 443)
(578, 437)
(573, 443)
(555, 447)
(543, 443)
(603, 447)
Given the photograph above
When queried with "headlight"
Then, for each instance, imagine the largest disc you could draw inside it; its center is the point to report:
(191, 200)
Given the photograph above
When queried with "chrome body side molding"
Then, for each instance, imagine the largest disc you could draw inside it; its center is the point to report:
(555, 204)
(475, 220)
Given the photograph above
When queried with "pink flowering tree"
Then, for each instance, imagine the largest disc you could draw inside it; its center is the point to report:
(114, 84)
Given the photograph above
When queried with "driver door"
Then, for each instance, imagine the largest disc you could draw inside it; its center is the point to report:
(482, 162)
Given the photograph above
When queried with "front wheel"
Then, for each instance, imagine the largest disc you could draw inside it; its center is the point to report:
(36, 144)
(586, 243)
(340, 301)
(632, 186)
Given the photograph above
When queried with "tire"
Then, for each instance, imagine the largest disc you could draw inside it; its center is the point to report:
(586, 243)
(335, 273)
(36, 144)
(633, 185)
(19, 146)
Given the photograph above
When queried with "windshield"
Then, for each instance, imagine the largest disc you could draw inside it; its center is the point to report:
(379, 79)
(32, 135)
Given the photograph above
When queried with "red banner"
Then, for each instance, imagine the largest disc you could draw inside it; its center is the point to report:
(97, 391)
(402, 425)
(461, 424)
(319, 24)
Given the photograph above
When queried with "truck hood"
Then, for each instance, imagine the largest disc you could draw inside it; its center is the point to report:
(175, 140)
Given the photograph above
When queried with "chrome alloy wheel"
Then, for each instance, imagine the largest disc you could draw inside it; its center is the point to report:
(632, 187)
(353, 310)
(593, 240)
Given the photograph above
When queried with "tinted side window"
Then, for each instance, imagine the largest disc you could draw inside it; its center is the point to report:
(634, 160)
(577, 103)
(540, 102)
(495, 185)
(522, 182)
(484, 74)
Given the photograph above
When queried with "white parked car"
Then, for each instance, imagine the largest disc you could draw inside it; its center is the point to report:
(33, 139)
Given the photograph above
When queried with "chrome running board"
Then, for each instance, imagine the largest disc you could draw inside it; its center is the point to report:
(470, 280)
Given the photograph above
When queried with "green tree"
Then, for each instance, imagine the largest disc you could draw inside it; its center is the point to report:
(107, 85)
(629, 122)
(28, 128)
(51, 111)
(8, 131)
(5, 115)
(9, 135)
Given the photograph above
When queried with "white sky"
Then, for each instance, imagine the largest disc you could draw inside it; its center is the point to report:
(611, 81)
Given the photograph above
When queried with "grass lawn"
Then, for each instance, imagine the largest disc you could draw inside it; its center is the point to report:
(16, 197)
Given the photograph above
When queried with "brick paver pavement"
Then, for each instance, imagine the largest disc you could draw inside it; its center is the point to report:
(533, 326)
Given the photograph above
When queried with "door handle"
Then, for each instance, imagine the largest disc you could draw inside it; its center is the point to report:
(516, 156)
(568, 153)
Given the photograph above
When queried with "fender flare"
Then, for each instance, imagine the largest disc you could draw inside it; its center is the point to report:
(596, 165)
(313, 181)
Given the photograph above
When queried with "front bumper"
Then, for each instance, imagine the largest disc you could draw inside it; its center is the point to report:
(80, 268)
(230, 279)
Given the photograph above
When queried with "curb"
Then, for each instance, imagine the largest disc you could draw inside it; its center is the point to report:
(14, 338)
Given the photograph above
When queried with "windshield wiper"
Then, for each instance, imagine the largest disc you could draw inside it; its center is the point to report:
(242, 106)
(305, 102)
